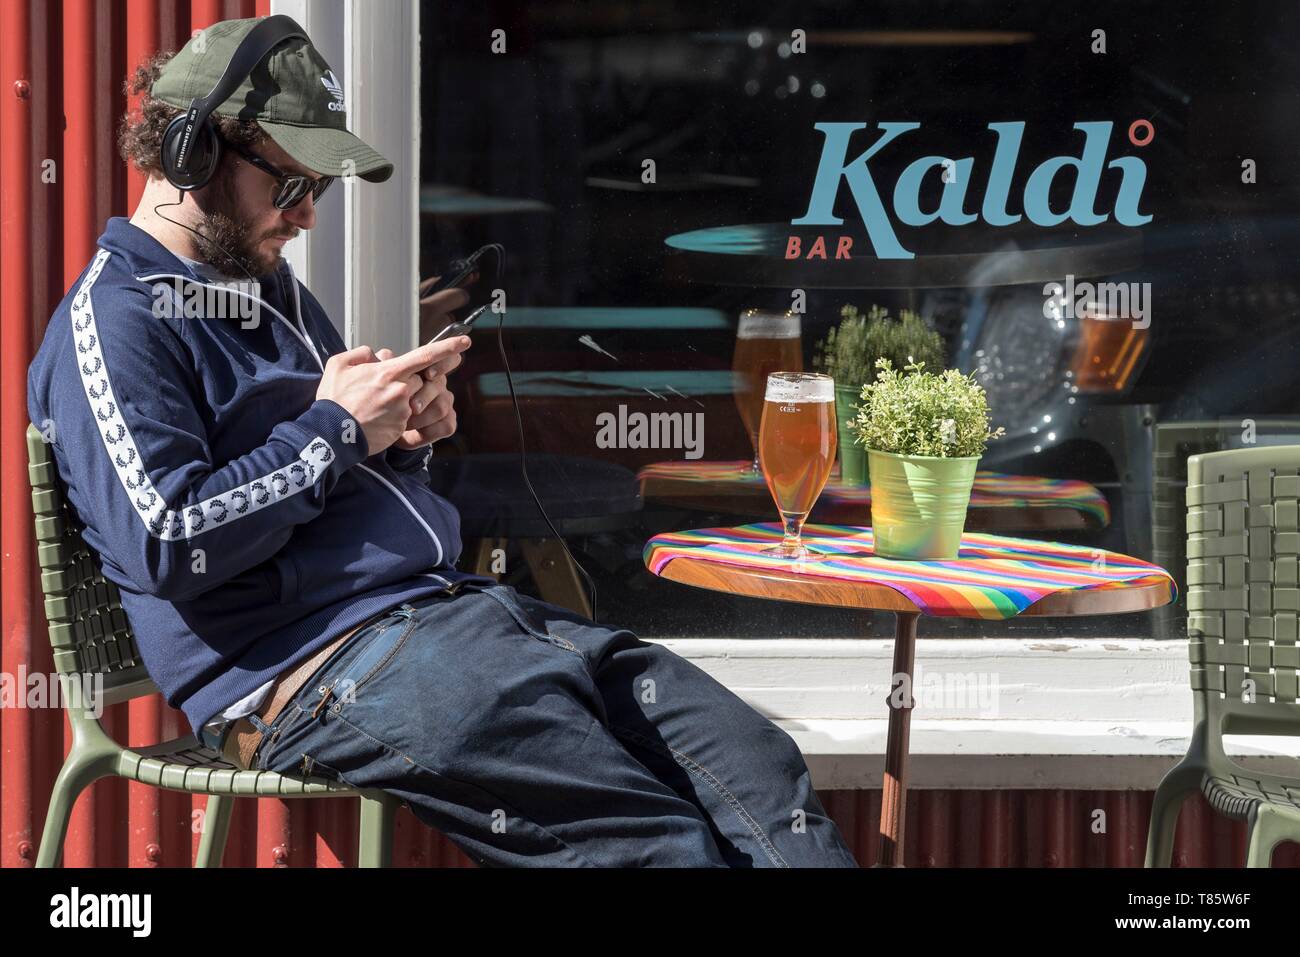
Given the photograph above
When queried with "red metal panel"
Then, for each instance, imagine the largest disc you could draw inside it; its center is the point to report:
(18, 101)
(1046, 828)
(47, 725)
(1041, 828)
(143, 38)
(87, 832)
(174, 24)
(81, 49)
(204, 13)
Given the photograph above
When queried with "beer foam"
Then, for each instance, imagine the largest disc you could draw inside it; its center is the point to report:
(809, 389)
(757, 324)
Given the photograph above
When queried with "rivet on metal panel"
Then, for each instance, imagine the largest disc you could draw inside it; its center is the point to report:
(153, 853)
(22, 89)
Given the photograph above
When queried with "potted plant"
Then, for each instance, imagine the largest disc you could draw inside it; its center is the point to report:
(924, 433)
(848, 354)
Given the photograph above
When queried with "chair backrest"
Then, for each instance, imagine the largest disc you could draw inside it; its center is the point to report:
(89, 631)
(1174, 443)
(1243, 593)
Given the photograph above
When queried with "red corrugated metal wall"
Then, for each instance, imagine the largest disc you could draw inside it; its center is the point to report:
(61, 72)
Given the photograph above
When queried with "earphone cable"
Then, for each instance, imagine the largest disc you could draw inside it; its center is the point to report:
(499, 251)
(180, 198)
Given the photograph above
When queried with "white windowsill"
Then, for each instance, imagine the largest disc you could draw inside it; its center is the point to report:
(1071, 714)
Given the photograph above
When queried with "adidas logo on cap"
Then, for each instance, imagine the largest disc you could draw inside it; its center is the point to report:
(331, 83)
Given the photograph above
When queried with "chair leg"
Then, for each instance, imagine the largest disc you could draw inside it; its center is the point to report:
(216, 830)
(480, 550)
(375, 840)
(82, 768)
(1267, 827)
(555, 575)
(1175, 787)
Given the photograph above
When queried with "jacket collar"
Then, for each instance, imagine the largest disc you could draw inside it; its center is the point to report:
(145, 256)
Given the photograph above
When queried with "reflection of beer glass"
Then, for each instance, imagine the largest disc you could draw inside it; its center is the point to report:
(1109, 348)
(765, 342)
(797, 448)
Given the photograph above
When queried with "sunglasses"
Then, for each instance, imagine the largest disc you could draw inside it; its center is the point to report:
(294, 187)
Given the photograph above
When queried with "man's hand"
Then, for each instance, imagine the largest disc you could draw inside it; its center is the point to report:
(381, 392)
(436, 309)
(432, 416)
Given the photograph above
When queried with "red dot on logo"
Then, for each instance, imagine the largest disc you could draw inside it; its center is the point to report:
(1141, 125)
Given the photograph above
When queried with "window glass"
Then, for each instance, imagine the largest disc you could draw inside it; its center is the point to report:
(1104, 234)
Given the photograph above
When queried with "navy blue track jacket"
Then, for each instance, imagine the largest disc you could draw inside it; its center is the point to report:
(238, 514)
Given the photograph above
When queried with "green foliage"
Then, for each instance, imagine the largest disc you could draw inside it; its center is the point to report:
(913, 412)
(849, 352)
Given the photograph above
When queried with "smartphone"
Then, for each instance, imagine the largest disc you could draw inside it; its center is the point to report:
(460, 327)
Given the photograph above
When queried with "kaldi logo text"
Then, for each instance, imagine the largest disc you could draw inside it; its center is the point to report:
(956, 176)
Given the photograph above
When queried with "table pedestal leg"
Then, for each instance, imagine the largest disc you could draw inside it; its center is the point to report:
(893, 803)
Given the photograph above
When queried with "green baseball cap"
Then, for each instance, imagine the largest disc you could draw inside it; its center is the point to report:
(292, 94)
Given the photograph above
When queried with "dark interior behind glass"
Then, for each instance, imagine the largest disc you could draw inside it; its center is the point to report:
(541, 149)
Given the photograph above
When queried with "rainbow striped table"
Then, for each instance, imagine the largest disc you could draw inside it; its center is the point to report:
(993, 577)
(999, 502)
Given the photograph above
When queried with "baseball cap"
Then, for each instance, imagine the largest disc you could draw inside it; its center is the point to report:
(292, 94)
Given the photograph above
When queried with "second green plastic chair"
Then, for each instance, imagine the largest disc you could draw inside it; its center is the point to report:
(1243, 599)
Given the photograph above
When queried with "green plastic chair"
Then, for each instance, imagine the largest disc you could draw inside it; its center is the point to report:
(1243, 598)
(91, 637)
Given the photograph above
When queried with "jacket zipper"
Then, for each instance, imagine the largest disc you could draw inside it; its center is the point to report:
(418, 517)
(297, 308)
(448, 587)
(301, 333)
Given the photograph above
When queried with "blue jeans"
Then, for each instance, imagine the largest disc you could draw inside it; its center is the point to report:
(533, 737)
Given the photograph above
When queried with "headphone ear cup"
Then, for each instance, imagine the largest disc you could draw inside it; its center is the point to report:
(204, 155)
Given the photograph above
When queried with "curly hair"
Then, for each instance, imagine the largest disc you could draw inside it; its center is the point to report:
(140, 135)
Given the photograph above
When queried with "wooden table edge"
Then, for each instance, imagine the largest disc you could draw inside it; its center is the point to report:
(781, 586)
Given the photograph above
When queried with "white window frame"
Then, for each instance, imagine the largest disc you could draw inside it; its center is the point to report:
(362, 258)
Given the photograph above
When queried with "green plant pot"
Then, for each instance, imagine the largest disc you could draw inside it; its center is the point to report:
(918, 504)
(853, 457)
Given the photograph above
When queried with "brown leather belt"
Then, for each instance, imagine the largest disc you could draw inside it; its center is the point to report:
(243, 736)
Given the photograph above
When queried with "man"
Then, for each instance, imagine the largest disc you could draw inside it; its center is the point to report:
(259, 493)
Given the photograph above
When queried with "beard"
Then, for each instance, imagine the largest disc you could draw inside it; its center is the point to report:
(226, 238)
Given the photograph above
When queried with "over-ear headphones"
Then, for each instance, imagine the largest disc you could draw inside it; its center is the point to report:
(191, 148)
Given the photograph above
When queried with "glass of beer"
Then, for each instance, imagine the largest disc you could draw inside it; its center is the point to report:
(797, 439)
(765, 342)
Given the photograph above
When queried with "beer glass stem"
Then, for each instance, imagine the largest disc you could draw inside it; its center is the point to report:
(793, 530)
